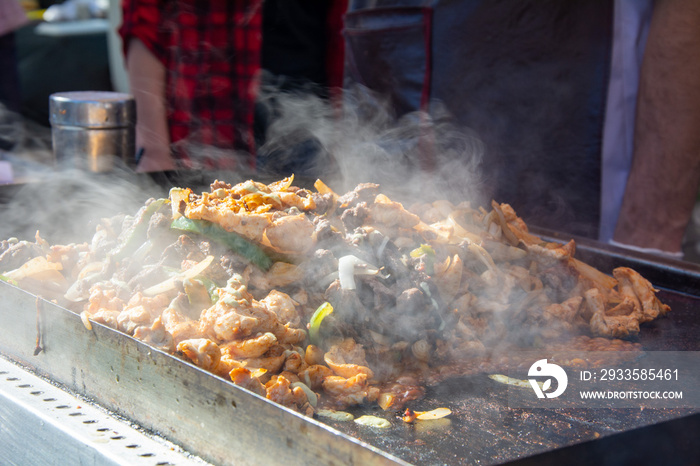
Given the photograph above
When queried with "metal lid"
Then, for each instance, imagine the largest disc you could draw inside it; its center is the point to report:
(92, 109)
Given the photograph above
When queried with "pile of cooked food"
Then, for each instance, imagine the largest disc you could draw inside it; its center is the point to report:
(319, 300)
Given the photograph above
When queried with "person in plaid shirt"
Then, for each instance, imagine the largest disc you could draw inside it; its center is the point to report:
(195, 69)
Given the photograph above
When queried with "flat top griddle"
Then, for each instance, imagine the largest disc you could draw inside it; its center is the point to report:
(225, 424)
(484, 430)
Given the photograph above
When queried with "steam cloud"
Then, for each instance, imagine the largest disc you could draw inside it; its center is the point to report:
(359, 141)
(53, 197)
(419, 155)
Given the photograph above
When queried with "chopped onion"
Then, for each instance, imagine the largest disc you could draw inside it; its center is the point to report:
(504, 379)
(322, 188)
(78, 291)
(86, 320)
(421, 350)
(91, 269)
(382, 246)
(349, 266)
(73, 294)
(438, 413)
(283, 274)
(460, 230)
(341, 416)
(310, 395)
(426, 289)
(38, 268)
(169, 284)
(258, 373)
(386, 400)
(507, 232)
(328, 279)
(381, 339)
(594, 274)
(373, 421)
(483, 256)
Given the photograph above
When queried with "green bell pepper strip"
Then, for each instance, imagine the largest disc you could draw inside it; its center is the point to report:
(321, 313)
(233, 241)
(8, 280)
(427, 253)
(210, 286)
(137, 233)
(423, 250)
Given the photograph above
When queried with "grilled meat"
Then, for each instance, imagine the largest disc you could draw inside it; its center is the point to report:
(289, 292)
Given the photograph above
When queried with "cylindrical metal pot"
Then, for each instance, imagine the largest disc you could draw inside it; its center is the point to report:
(93, 130)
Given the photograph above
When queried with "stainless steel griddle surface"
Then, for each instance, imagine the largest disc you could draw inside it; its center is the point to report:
(483, 429)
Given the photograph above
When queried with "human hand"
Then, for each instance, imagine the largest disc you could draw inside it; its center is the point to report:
(156, 159)
(147, 81)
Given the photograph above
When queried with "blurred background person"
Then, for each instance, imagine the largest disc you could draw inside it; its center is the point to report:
(551, 88)
(12, 17)
(662, 187)
(196, 69)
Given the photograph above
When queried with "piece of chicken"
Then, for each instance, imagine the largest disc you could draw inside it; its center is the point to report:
(271, 362)
(290, 234)
(610, 326)
(227, 213)
(391, 213)
(314, 375)
(294, 362)
(225, 322)
(178, 326)
(202, 352)
(104, 306)
(242, 377)
(156, 335)
(553, 251)
(141, 311)
(279, 390)
(347, 359)
(103, 298)
(563, 312)
(283, 306)
(639, 291)
(251, 347)
(348, 391)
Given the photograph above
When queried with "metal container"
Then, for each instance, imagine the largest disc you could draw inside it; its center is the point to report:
(93, 130)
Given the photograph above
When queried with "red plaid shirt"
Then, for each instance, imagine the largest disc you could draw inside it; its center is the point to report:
(211, 51)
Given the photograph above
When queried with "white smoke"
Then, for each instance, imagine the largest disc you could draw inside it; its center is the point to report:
(360, 140)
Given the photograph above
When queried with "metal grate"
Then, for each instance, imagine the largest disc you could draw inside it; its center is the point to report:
(43, 424)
